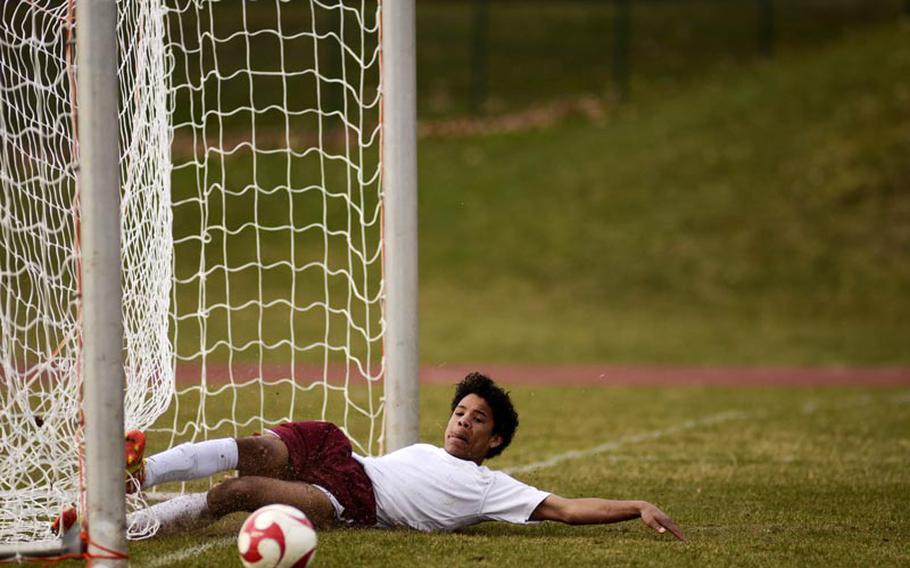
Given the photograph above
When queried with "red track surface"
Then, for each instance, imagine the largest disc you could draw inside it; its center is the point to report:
(591, 374)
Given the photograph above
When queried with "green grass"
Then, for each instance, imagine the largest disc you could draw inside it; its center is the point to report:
(794, 477)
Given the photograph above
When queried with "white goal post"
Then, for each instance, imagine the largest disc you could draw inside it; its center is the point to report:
(208, 226)
(98, 182)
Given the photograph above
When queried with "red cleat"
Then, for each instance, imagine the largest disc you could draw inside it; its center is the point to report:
(134, 448)
(66, 520)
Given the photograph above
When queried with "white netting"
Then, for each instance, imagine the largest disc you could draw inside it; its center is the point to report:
(249, 136)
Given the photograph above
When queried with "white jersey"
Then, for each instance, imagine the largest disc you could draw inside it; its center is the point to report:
(425, 488)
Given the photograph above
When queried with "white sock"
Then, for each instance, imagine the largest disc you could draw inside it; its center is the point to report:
(191, 461)
(180, 513)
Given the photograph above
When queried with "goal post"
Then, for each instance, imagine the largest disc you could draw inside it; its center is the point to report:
(400, 182)
(257, 160)
(98, 193)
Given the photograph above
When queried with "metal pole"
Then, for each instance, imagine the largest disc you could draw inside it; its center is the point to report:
(399, 182)
(102, 326)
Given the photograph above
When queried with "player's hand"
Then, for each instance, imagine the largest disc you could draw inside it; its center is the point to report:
(660, 521)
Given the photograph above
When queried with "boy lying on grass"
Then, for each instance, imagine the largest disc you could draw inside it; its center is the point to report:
(310, 466)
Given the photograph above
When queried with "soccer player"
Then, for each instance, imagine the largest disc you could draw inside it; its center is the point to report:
(310, 466)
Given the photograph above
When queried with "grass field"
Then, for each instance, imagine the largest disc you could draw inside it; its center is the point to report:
(755, 476)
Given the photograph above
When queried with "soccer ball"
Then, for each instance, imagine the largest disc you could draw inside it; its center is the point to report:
(277, 536)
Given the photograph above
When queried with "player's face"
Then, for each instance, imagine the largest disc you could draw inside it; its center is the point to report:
(469, 435)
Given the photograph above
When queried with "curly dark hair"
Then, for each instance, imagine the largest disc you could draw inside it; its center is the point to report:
(505, 419)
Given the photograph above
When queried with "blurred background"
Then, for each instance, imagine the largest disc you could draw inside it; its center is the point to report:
(493, 56)
(693, 182)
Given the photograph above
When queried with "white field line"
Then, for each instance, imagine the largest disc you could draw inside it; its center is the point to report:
(174, 558)
(809, 407)
(625, 440)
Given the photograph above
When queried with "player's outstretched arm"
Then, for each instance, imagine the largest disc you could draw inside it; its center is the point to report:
(592, 511)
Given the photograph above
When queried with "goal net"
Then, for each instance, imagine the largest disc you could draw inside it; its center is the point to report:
(251, 231)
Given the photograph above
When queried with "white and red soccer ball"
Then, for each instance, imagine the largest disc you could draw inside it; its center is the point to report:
(277, 536)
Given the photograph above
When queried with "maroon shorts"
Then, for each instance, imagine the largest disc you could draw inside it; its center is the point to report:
(320, 454)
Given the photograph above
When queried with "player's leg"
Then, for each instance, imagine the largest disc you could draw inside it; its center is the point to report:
(264, 456)
(248, 493)
(254, 455)
(180, 514)
(189, 461)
